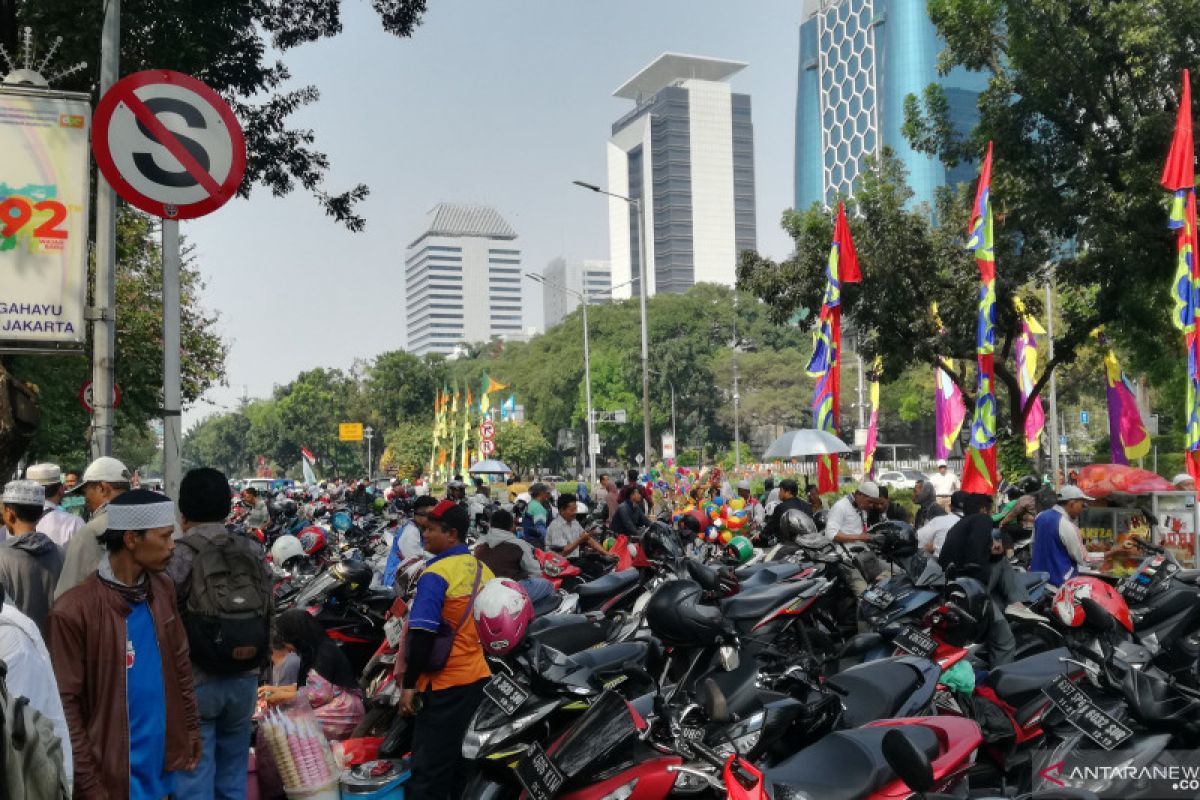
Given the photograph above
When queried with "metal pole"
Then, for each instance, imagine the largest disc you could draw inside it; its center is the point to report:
(587, 380)
(862, 406)
(641, 212)
(103, 314)
(172, 433)
(673, 436)
(1054, 465)
(737, 398)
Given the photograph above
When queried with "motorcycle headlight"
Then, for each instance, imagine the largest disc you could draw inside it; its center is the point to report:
(480, 739)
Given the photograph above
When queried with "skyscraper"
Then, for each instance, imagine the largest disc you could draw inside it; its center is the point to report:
(593, 278)
(462, 279)
(691, 139)
(859, 59)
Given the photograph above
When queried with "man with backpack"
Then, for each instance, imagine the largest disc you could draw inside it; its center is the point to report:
(224, 594)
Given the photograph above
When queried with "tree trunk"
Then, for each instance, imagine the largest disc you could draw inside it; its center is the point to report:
(19, 416)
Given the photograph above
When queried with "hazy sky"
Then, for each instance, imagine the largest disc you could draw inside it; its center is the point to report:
(503, 103)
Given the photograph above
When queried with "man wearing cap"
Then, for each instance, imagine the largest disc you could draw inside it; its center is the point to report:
(1057, 545)
(788, 489)
(120, 654)
(1184, 482)
(448, 696)
(29, 562)
(945, 483)
(57, 524)
(103, 480)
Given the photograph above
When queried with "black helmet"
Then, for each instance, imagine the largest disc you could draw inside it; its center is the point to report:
(899, 540)
(676, 617)
(356, 575)
(661, 542)
(1029, 484)
(288, 507)
(794, 524)
(967, 612)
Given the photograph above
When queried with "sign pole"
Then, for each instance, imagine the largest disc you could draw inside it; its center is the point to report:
(103, 314)
(172, 432)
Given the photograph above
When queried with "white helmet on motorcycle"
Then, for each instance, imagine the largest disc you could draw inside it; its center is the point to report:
(502, 613)
(285, 549)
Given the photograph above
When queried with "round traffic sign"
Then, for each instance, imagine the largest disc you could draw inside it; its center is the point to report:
(85, 395)
(487, 429)
(168, 144)
(487, 447)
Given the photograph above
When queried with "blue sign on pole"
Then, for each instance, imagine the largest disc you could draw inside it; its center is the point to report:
(1084, 417)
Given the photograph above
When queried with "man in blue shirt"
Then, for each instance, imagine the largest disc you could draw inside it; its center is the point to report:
(406, 544)
(1057, 545)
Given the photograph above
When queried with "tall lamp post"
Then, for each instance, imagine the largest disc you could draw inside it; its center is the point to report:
(587, 366)
(636, 205)
(369, 433)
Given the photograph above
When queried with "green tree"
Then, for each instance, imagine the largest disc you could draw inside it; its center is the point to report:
(521, 445)
(399, 386)
(407, 451)
(220, 442)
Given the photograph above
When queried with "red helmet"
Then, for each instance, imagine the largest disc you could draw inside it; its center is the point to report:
(312, 539)
(1068, 602)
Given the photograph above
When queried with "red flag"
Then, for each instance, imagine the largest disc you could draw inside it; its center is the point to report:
(847, 258)
(1180, 170)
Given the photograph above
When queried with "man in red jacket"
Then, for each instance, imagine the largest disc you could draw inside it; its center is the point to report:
(132, 717)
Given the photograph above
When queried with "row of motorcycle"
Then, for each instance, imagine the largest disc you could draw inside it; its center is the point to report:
(670, 670)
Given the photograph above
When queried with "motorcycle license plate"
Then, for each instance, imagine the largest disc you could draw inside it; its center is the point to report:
(880, 598)
(392, 630)
(506, 693)
(539, 775)
(915, 642)
(1080, 711)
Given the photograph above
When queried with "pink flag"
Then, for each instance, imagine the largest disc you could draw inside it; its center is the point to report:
(1027, 354)
(949, 412)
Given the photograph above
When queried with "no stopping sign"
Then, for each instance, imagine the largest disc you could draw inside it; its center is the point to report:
(168, 144)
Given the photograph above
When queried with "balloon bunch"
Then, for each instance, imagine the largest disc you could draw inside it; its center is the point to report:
(726, 518)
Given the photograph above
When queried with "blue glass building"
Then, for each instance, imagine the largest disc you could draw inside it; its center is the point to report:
(859, 59)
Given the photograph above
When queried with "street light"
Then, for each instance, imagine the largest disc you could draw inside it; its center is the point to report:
(369, 433)
(641, 215)
(587, 367)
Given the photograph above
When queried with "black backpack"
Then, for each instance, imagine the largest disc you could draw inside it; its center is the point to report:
(228, 602)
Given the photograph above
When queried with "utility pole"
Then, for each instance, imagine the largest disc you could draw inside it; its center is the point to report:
(641, 212)
(737, 430)
(862, 408)
(1054, 464)
(103, 313)
(172, 400)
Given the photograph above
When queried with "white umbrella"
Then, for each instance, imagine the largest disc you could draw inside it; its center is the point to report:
(489, 466)
(807, 442)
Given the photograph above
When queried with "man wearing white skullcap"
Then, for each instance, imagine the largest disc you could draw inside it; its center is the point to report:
(57, 524)
(121, 658)
(29, 561)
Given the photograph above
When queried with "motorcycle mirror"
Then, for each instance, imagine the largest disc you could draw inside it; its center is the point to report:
(860, 643)
(907, 760)
(713, 701)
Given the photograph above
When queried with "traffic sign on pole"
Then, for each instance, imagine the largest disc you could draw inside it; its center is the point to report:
(487, 447)
(85, 396)
(487, 429)
(350, 431)
(168, 144)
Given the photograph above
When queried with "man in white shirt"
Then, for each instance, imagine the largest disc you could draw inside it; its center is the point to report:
(58, 525)
(932, 535)
(847, 523)
(945, 483)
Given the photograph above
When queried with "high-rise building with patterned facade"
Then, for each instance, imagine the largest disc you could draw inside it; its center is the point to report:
(566, 282)
(690, 139)
(859, 59)
(462, 280)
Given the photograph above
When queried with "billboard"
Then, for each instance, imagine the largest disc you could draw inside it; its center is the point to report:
(44, 162)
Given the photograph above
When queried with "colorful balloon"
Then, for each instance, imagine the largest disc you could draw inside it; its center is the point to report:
(726, 536)
(737, 504)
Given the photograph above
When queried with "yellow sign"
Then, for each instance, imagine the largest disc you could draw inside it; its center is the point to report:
(350, 432)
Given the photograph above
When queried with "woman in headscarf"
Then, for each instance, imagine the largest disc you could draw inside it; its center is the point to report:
(925, 500)
(326, 679)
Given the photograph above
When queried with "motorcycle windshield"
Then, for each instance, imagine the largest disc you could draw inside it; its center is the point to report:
(318, 589)
(550, 665)
(603, 727)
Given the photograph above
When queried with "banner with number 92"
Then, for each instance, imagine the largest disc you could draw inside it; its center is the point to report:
(44, 192)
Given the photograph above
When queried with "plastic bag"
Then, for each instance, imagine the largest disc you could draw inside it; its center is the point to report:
(960, 677)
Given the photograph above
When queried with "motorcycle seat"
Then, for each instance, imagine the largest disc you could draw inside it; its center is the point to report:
(874, 690)
(547, 604)
(845, 765)
(607, 585)
(618, 657)
(754, 604)
(769, 575)
(1017, 682)
(569, 633)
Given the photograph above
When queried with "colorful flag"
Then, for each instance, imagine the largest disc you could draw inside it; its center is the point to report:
(948, 408)
(979, 471)
(873, 427)
(1179, 176)
(825, 364)
(1128, 438)
(1027, 356)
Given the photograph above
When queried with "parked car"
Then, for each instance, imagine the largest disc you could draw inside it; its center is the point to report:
(902, 478)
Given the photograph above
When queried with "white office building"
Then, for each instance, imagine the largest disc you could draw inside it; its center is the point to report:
(462, 280)
(566, 281)
(691, 138)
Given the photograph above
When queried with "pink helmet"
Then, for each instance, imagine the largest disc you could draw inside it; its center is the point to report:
(502, 613)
